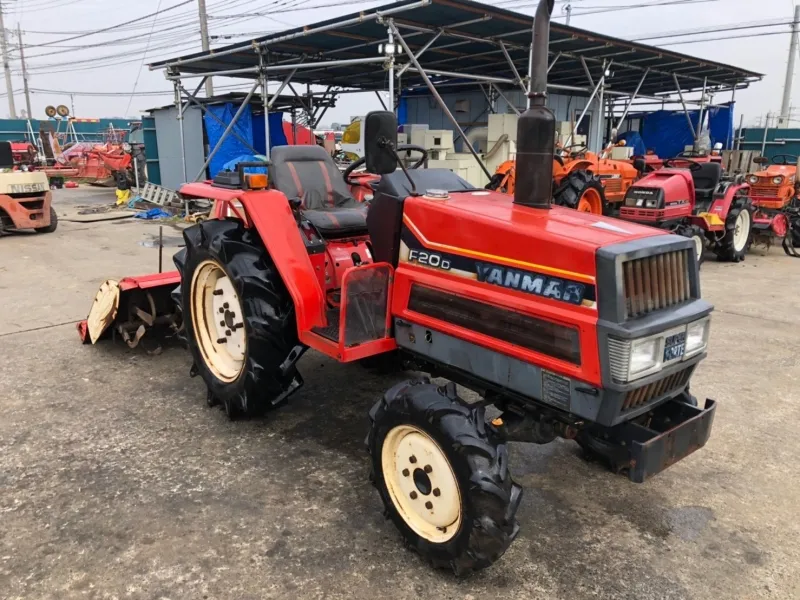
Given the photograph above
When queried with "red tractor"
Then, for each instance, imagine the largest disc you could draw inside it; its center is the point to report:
(569, 324)
(693, 199)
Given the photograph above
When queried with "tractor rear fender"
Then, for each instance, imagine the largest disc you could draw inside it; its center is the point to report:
(269, 212)
(723, 199)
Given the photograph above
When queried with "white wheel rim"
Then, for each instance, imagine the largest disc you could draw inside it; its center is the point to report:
(218, 321)
(741, 231)
(698, 243)
(421, 483)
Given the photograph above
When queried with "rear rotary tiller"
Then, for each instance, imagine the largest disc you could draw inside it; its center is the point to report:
(570, 324)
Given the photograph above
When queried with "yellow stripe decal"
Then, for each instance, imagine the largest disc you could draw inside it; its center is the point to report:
(502, 259)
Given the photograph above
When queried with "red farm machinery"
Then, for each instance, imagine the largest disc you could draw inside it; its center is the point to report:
(572, 325)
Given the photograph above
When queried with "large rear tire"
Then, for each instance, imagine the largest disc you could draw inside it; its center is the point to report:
(53, 223)
(443, 476)
(738, 231)
(238, 317)
(581, 191)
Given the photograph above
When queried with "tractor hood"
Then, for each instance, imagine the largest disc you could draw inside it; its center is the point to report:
(21, 182)
(489, 224)
(771, 171)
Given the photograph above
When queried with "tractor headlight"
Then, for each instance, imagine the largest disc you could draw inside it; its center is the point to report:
(652, 203)
(777, 180)
(696, 338)
(752, 180)
(644, 356)
(634, 359)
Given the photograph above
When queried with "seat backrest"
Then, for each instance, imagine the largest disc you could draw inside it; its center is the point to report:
(308, 173)
(708, 176)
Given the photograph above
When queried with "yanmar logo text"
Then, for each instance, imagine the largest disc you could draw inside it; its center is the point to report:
(532, 283)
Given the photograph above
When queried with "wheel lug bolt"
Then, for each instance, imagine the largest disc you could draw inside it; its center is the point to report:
(228, 333)
(222, 323)
(221, 310)
(436, 492)
(225, 305)
(405, 472)
(413, 495)
(429, 505)
(428, 468)
(413, 459)
(217, 292)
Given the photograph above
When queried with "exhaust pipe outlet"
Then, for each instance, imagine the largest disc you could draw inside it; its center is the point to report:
(536, 128)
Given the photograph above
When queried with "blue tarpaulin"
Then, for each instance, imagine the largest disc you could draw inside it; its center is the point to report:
(231, 165)
(720, 125)
(633, 140)
(231, 147)
(277, 137)
(667, 133)
(249, 127)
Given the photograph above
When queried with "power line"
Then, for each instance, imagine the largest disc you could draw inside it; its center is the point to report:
(141, 64)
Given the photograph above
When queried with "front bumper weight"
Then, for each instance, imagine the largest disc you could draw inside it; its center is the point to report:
(647, 446)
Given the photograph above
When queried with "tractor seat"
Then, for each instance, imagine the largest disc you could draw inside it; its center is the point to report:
(706, 179)
(309, 174)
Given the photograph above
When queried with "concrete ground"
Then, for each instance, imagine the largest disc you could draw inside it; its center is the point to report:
(116, 481)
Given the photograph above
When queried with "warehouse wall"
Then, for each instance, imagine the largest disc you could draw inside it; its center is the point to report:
(15, 130)
(471, 109)
(168, 140)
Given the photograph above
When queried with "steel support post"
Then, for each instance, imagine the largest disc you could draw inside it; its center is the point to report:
(630, 102)
(193, 100)
(230, 126)
(283, 84)
(521, 83)
(420, 52)
(196, 91)
(553, 62)
(588, 73)
(439, 99)
(262, 78)
(503, 96)
(585, 110)
(390, 44)
(179, 110)
(700, 117)
(683, 103)
(383, 104)
(601, 125)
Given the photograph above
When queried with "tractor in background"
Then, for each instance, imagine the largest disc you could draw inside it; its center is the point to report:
(774, 191)
(548, 314)
(694, 200)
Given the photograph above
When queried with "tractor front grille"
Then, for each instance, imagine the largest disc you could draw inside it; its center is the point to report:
(612, 184)
(652, 391)
(656, 282)
(764, 191)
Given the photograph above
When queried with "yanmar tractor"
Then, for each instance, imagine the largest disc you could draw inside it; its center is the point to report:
(694, 200)
(572, 325)
(774, 191)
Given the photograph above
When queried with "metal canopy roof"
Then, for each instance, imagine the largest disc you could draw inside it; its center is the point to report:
(470, 39)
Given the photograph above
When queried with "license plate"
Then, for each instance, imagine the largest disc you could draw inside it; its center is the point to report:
(674, 346)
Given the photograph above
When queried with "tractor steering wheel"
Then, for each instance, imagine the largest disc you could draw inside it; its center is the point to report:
(582, 150)
(784, 161)
(684, 163)
(404, 148)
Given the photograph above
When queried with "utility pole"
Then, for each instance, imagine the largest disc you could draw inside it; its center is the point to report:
(201, 5)
(568, 11)
(24, 72)
(787, 86)
(12, 110)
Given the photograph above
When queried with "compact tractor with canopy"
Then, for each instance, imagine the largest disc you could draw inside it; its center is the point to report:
(774, 191)
(695, 200)
(572, 325)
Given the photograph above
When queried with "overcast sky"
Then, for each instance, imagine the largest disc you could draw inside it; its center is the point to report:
(110, 62)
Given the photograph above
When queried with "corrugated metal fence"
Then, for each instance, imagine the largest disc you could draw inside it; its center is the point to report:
(15, 130)
(778, 141)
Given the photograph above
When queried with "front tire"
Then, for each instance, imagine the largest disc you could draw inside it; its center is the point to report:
(443, 476)
(738, 231)
(581, 191)
(53, 223)
(238, 317)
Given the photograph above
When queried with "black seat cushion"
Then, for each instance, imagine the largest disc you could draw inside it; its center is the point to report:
(309, 174)
(706, 179)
